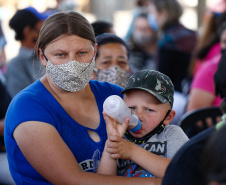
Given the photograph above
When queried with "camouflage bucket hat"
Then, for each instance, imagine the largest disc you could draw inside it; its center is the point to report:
(154, 82)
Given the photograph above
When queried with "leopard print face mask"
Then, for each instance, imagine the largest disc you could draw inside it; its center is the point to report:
(115, 75)
(71, 76)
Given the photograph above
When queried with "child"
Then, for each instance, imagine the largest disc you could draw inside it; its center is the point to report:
(149, 94)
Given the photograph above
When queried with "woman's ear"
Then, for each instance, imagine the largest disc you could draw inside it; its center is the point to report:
(170, 117)
(95, 49)
(42, 57)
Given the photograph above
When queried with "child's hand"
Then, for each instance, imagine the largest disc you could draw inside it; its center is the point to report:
(119, 148)
(113, 127)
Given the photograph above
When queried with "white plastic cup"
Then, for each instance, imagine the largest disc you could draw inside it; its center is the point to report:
(115, 107)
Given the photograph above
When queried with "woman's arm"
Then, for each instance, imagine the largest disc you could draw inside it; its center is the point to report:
(108, 165)
(45, 150)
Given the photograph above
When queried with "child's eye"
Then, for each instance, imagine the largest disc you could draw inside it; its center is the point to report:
(149, 110)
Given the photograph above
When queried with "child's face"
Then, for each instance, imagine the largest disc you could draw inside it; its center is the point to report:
(148, 108)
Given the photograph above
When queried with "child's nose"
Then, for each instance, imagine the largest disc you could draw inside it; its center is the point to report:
(140, 115)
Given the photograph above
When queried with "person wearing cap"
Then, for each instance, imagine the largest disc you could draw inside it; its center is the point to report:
(146, 152)
(24, 69)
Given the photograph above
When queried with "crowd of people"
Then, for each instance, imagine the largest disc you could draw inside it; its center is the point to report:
(53, 129)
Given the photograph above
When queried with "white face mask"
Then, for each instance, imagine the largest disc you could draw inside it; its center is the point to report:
(71, 76)
(115, 75)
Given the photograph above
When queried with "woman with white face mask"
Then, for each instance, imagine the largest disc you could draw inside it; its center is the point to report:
(112, 63)
(54, 130)
(143, 44)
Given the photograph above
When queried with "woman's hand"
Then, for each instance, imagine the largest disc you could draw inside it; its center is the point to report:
(113, 127)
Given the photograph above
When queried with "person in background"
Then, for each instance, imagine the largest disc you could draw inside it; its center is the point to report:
(54, 130)
(141, 6)
(62, 5)
(175, 44)
(5, 177)
(208, 45)
(101, 27)
(4, 100)
(189, 157)
(142, 44)
(23, 69)
(202, 92)
(2, 50)
(223, 109)
(112, 60)
(149, 94)
(214, 158)
(219, 77)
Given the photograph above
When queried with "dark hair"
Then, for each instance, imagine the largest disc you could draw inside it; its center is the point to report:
(223, 105)
(20, 20)
(172, 8)
(64, 23)
(219, 77)
(210, 36)
(214, 157)
(107, 38)
(101, 27)
(141, 3)
(212, 32)
(221, 29)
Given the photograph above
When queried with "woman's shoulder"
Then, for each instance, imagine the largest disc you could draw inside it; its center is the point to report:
(34, 93)
(105, 87)
(35, 89)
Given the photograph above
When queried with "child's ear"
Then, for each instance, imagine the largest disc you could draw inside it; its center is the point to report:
(170, 117)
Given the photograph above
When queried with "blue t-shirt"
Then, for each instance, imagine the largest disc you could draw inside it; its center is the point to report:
(36, 103)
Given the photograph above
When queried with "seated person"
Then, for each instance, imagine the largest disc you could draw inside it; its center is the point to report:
(111, 60)
(188, 158)
(143, 44)
(202, 93)
(219, 77)
(24, 69)
(5, 176)
(214, 158)
(146, 152)
(5, 100)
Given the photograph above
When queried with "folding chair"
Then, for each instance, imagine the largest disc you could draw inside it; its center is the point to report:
(197, 120)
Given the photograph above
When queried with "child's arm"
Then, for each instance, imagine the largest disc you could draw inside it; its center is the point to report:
(108, 165)
(123, 149)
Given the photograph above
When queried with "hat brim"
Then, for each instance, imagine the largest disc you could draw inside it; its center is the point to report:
(160, 98)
